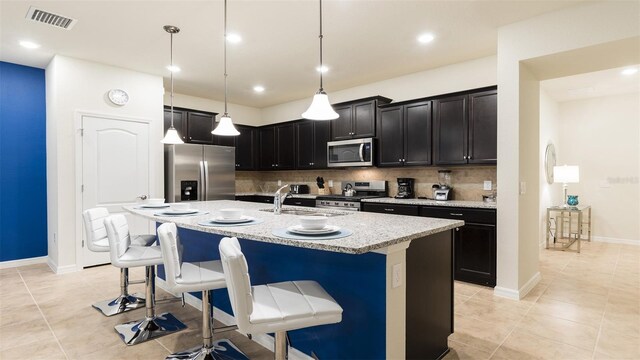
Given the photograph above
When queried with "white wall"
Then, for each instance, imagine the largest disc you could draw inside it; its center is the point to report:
(77, 85)
(446, 79)
(240, 114)
(550, 194)
(551, 35)
(602, 136)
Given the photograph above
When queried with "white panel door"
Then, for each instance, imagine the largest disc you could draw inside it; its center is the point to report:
(115, 171)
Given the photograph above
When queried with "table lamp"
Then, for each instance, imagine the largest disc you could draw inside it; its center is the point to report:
(566, 174)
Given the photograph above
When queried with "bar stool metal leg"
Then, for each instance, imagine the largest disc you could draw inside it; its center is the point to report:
(222, 349)
(151, 326)
(124, 302)
(281, 349)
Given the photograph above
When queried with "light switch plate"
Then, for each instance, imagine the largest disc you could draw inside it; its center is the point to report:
(396, 279)
(523, 187)
(330, 183)
(279, 182)
(487, 185)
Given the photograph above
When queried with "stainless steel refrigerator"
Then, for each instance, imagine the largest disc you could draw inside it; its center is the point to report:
(199, 172)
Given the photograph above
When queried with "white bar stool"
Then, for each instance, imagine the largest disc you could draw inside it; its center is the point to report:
(274, 308)
(97, 242)
(196, 276)
(123, 255)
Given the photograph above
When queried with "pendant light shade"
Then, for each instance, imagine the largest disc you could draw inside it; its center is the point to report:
(320, 108)
(172, 137)
(225, 126)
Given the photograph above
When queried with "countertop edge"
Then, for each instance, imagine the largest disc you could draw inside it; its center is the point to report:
(427, 202)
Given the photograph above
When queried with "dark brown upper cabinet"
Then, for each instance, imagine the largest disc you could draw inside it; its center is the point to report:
(246, 146)
(483, 127)
(405, 135)
(277, 147)
(357, 119)
(465, 129)
(311, 143)
(193, 126)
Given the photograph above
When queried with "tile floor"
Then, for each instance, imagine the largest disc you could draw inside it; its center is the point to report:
(587, 306)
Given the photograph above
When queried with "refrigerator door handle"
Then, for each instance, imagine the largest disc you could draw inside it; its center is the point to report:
(202, 182)
(206, 180)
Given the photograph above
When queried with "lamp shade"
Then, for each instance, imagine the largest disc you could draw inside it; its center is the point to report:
(225, 127)
(566, 174)
(320, 108)
(172, 137)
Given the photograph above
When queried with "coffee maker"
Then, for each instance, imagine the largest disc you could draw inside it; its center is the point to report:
(442, 190)
(405, 188)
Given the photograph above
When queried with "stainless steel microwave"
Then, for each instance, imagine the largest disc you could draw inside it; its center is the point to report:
(347, 153)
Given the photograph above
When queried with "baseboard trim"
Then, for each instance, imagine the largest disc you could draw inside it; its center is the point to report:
(60, 269)
(615, 240)
(265, 340)
(23, 262)
(520, 293)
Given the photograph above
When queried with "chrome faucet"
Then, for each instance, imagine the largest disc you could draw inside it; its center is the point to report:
(278, 199)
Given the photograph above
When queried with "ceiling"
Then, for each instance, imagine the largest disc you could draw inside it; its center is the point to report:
(364, 40)
(594, 84)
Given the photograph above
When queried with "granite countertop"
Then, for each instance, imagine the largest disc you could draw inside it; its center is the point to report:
(371, 231)
(298, 196)
(450, 203)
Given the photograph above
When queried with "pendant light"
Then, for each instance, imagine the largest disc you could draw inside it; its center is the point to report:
(320, 108)
(225, 126)
(172, 136)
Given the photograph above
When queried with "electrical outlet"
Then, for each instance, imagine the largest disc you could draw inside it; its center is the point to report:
(54, 238)
(523, 187)
(330, 183)
(487, 185)
(396, 279)
(279, 182)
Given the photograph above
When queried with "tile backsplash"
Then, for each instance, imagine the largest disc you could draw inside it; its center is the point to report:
(467, 182)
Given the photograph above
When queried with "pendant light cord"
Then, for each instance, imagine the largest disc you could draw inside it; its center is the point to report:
(225, 59)
(321, 69)
(172, 69)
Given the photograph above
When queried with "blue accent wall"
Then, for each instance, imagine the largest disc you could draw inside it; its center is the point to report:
(23, 172)
(356, 282)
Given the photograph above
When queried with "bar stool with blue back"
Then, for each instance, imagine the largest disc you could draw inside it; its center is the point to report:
(274, 308)
(196, 276)
(123, 255)
(97, 242)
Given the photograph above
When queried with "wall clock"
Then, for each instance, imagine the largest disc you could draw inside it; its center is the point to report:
(118, 97)
(549, 162)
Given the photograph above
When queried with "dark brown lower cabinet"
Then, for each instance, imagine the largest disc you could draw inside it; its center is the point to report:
(393, 209)
(475, 254)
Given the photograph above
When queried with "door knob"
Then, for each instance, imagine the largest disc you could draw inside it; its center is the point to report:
(142, 197)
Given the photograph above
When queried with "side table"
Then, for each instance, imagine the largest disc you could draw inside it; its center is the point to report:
(567, 225)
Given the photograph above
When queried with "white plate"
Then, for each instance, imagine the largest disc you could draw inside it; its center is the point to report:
(298, 229)
(154, 206)
(180, 212)
(243, 219)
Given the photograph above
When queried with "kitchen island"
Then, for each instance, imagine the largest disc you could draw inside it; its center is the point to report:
(393, 276)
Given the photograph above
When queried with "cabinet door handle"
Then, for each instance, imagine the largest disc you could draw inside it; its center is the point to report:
(465, 157)
(388, 209)
(455, 214)
(298, 203)
(469, 157)
(457, 229)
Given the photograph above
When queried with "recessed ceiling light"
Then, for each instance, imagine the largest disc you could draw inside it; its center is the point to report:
(258, 88)
(173, 68)
(29, 44)
(629, 71)
(322, 69)
(234, 38)
(426, 38)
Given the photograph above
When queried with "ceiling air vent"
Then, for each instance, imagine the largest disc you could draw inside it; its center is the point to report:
(52, 19)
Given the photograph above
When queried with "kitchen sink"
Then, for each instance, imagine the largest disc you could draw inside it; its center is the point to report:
(309, 212)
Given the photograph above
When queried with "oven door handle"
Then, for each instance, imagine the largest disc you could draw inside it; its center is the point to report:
(361, 152)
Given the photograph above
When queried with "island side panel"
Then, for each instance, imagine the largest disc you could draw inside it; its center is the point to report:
(429, 296)
(356, 282)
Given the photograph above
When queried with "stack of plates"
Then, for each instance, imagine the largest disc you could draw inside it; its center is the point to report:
(173, 212)
(299, 230)
(241, 220)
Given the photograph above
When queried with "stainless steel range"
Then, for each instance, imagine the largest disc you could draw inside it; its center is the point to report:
(352, 193)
